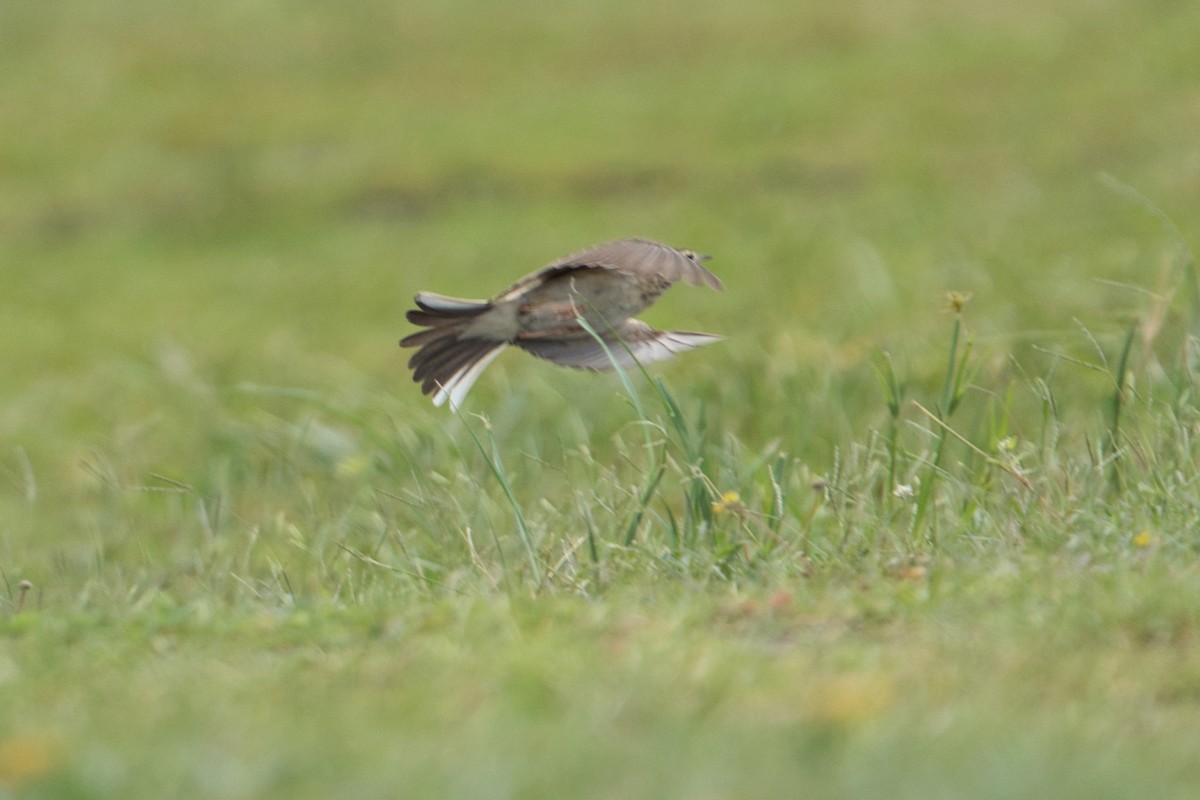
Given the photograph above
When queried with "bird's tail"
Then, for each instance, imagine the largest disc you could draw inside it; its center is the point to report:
(447, 363)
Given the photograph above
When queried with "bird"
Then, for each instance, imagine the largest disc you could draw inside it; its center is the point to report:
(545, 313)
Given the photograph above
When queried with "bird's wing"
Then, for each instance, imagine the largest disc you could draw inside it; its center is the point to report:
(632, 256)
(634, 342)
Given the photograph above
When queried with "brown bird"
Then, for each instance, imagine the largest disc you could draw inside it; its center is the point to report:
(604, 285)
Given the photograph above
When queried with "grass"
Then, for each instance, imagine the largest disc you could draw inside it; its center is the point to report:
(923, 525)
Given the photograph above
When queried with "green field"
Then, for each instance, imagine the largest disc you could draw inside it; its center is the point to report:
(926, 524)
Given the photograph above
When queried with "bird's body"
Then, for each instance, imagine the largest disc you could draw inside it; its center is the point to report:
(605, 286)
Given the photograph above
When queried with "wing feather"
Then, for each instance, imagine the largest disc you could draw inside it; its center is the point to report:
(633, 256)
(636, 343)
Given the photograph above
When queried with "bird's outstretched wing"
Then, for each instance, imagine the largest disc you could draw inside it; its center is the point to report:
(631, 256)
(634, 342)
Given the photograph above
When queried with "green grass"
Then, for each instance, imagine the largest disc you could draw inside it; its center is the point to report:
(924, 525)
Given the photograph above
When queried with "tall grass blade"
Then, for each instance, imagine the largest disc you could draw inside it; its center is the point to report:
(496, 466)
(1118, 402)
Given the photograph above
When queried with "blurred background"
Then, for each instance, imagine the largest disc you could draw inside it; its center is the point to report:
(198, 197)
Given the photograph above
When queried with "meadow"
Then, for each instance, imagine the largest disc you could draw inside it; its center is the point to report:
(926, 523)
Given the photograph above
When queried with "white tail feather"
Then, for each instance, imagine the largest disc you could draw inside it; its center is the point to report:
(455, 389)
(448, 305)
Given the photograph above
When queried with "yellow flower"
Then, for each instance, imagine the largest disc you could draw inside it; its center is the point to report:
(957, 300)
(1143, 539)
(848, 699)
(23, 759)
(729, 501)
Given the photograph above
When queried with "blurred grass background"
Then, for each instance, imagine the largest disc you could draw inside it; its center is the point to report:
(212, 218)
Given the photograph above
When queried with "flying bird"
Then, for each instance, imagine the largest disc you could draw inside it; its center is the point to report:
(605, 286)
